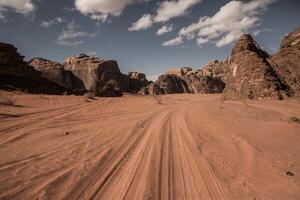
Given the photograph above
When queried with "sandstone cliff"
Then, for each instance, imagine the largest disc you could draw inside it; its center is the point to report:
(286, 61)
(251, 75)
(16, 74)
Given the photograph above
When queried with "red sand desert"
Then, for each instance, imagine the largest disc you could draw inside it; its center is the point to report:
(141, 147)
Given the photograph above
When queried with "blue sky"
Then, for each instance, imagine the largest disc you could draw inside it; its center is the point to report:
(144, 35)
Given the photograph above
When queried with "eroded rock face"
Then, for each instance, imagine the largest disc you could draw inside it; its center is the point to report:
(203, 84)
(168, 84)
(53, 71)
(15, 73)
(96, 73)
(286, 61)
(137, 81)
(250, 73)
(216, 69)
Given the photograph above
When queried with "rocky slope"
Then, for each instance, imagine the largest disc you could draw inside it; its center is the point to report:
(286, 61)
(251, 75)
(16, 74)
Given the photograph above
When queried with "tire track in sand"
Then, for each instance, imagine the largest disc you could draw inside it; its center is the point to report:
(164, 163)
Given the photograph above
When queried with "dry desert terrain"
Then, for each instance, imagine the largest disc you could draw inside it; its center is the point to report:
(141, 147)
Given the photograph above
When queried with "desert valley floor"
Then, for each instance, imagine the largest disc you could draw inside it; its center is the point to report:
(135, 147)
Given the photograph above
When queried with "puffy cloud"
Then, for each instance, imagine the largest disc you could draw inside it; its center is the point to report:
(72, 35)
(174, 42)
(228, 24)
(19, 6)
(143, 23)
(202, 41)
(112, 7)
(99, 17)
(171, 9)
(47, 24)
(164, 29)
(100, 10)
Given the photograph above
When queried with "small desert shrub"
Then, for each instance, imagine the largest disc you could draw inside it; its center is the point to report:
(89, 95)
(294, 119)
(7, 100)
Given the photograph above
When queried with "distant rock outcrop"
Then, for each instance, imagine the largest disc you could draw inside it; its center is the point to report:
(186, 80)
(286, 61)
(137, 81)
(97, 75)
(16, 74)
(166, 84)
(251, 75)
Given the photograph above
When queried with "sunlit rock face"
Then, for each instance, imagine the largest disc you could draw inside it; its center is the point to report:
(286, 61)
(251, 75)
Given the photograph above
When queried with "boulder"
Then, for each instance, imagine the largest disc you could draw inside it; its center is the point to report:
(286, 61)
(250, 73)
(15, 73)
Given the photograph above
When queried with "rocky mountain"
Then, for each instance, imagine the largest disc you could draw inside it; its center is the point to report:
(251, 75)
(54, 71)
(286, 61)
(186, 80)
(95, 73)
(15, 73)
(249, 72)
(83, 73)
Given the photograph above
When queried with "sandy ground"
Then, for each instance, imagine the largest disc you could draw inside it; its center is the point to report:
(134, 147)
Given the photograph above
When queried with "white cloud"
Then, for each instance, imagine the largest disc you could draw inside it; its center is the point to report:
(47, 24)
(72, 35)
(202, 41)
(171, 9)
(19, 6)
(168, 10)
(174, 42)
(256, 32)
(99, 17)
(143, 23)
(164, 29)
(228, 24)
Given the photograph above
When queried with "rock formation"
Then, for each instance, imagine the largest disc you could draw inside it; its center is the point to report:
(16, 74)
(97, 74)
(286, 61)
(166, 84)
(251, 75)
(186, 80)
(53, 71)
(137, 81)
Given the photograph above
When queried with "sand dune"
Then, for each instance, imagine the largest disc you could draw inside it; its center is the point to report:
(134, 147)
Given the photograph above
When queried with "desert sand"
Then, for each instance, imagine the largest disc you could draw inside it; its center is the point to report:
(140, 147)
